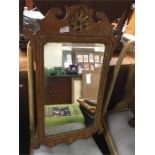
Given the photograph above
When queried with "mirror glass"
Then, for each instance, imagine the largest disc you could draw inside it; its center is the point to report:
(71, 82)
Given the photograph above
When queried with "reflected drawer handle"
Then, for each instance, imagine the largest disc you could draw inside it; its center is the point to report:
(51, 83)
(51, 92)
(21, 85)
(52, 95)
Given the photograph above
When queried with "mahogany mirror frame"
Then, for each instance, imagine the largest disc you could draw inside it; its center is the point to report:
(96, 30)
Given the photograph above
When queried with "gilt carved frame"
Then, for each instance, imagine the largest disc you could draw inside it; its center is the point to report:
(79, 24)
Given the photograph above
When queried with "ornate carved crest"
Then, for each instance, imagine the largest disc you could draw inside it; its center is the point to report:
(79, 20)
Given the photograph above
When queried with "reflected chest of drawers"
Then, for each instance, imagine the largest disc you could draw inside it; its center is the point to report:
(58, 90)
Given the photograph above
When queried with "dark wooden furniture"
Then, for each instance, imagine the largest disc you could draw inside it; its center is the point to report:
(24, 134)
(58, 90)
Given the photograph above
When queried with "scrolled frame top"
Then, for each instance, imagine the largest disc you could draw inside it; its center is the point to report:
(77, 20)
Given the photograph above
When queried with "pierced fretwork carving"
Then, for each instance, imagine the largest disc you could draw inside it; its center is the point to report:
(79, 20)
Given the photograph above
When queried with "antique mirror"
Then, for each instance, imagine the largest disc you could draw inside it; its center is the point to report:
(71, 52)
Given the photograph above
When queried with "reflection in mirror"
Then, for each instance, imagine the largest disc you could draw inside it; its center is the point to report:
(71, 77)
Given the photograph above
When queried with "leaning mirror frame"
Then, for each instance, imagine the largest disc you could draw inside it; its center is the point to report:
(67, 30)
